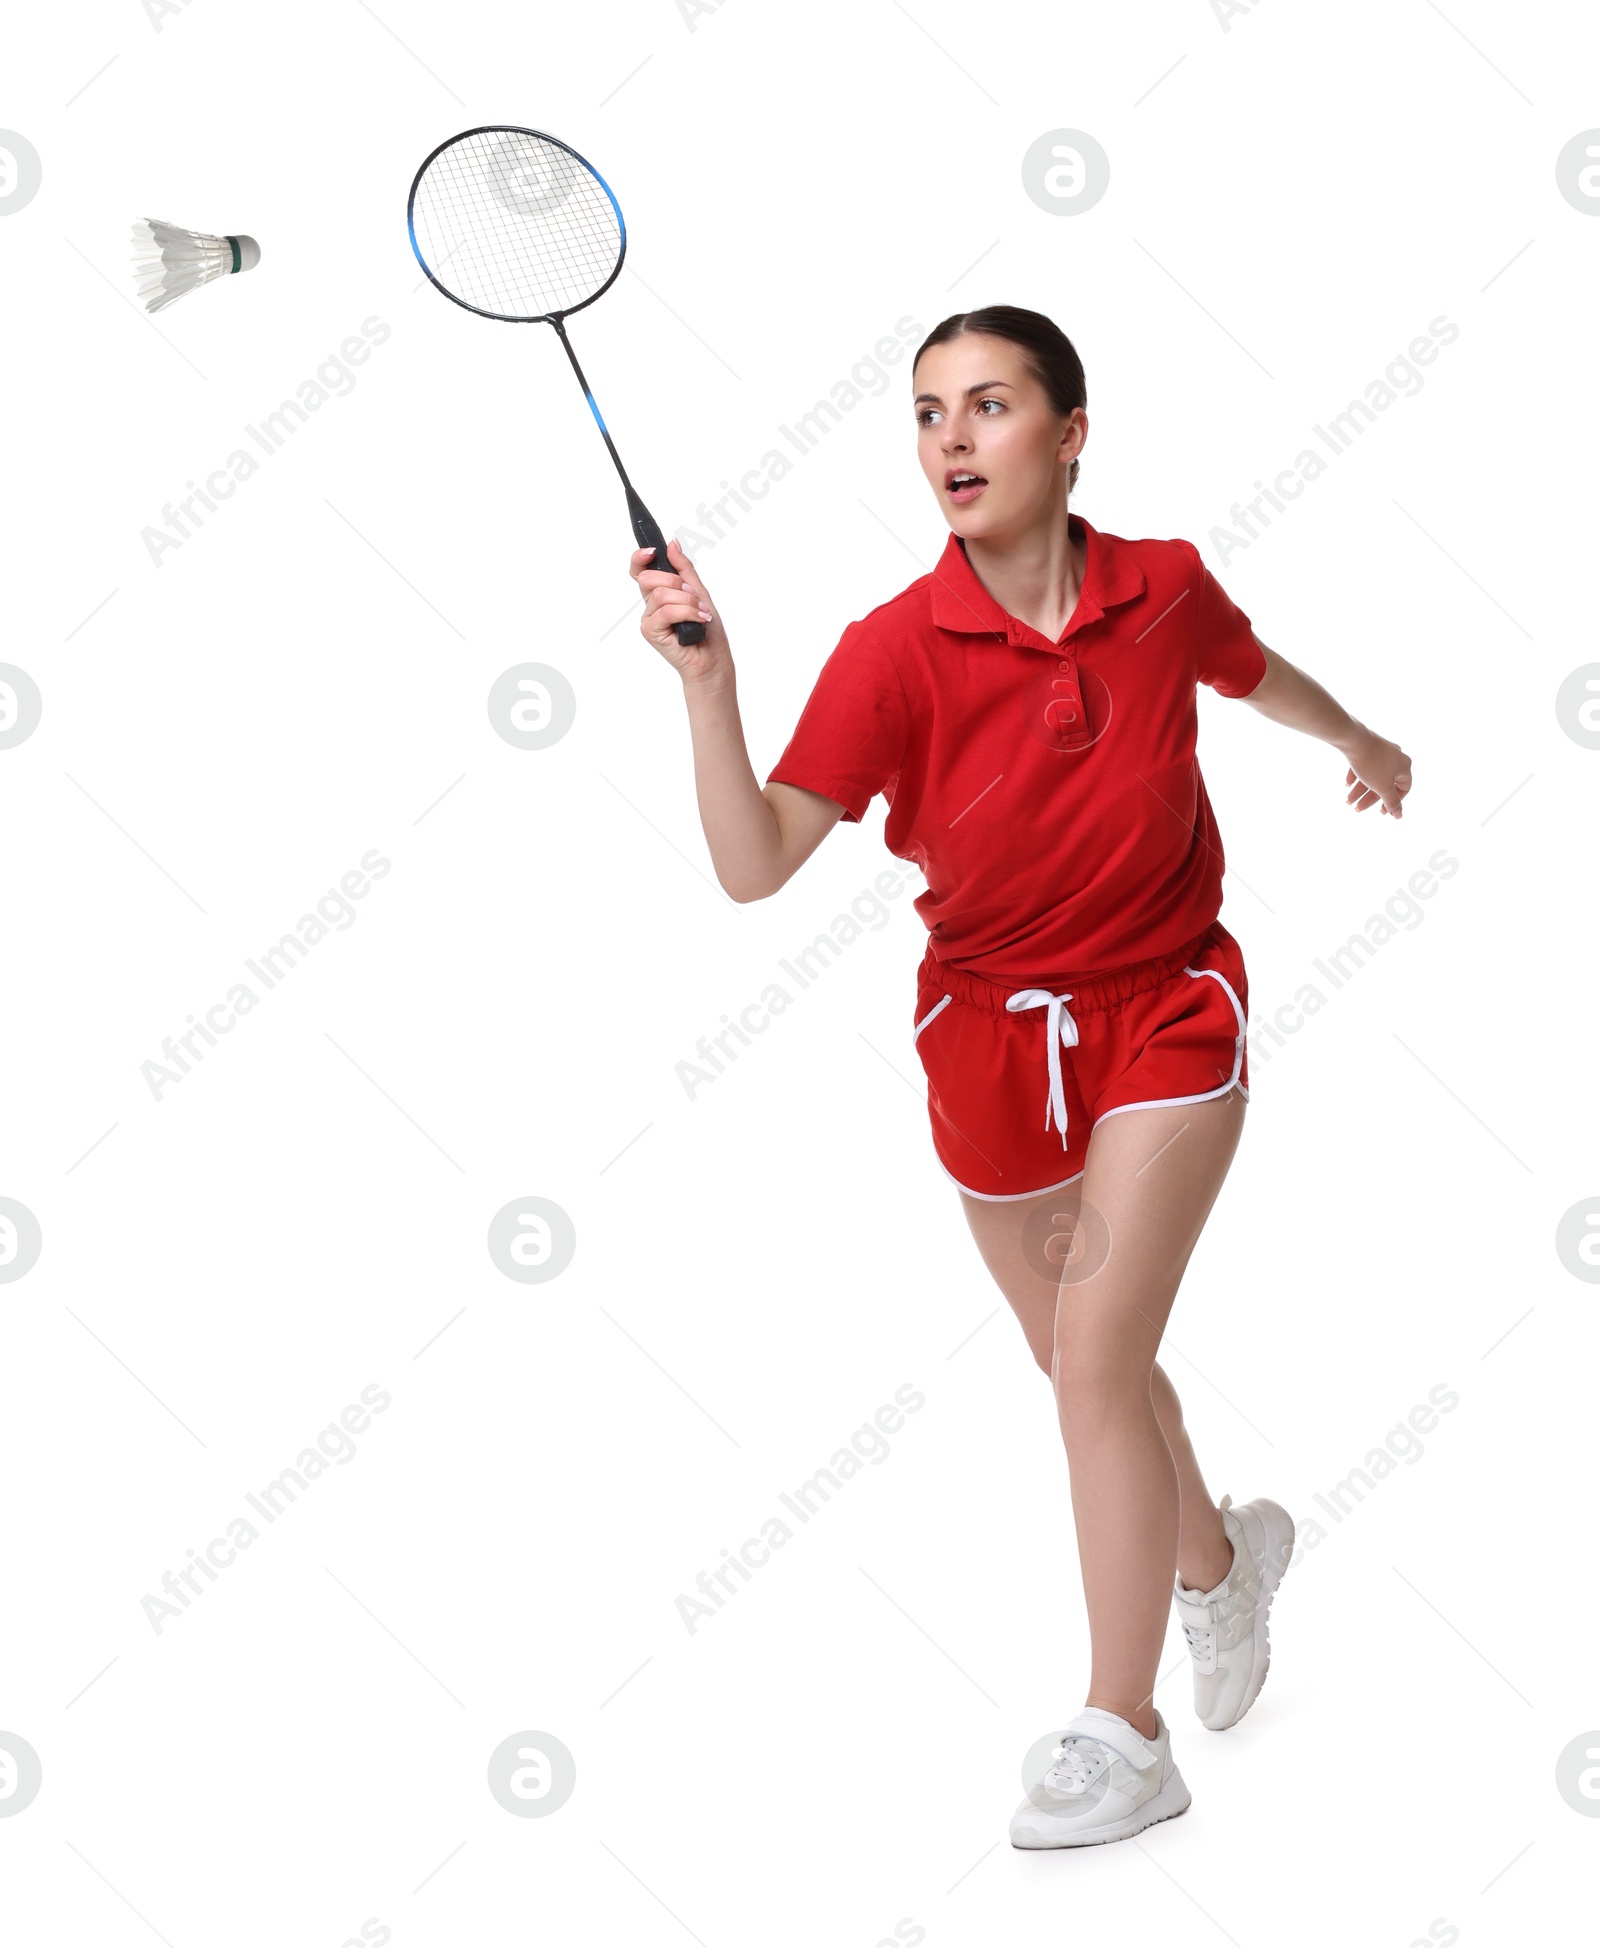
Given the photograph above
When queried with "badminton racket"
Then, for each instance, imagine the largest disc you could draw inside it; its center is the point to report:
(513, 224)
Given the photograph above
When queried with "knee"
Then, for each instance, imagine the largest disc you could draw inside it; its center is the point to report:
(1098, 1382)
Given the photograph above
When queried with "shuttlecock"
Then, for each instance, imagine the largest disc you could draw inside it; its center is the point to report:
(167, 261)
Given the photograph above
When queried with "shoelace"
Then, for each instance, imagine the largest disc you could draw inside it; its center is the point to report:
(1200, 1637)
(1072, 1770)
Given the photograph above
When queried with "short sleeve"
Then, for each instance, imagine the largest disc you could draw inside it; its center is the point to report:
(850, 741)
(1228, 657)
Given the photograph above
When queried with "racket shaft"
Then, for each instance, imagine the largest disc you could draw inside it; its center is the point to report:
(645, 531)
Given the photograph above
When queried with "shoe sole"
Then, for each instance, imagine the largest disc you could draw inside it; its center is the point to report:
(1278, 1528)
(1173, 1799)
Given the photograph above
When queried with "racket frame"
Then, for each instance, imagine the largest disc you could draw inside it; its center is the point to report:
(532, 318)
(645, 529)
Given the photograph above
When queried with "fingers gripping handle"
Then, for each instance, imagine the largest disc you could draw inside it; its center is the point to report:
(648, 535)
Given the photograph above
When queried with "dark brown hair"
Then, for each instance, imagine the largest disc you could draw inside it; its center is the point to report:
(1048, 350)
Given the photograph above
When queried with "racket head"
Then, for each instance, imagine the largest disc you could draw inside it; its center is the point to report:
(514, 224)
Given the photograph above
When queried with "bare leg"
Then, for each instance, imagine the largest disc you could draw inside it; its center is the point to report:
(1205, 1555)
(1152, 1176)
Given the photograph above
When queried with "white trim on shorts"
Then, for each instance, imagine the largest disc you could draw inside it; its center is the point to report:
(1173, 1102)
(1008, 1196)
(938, 1008)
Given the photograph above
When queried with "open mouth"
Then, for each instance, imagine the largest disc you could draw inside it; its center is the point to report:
(965, 486)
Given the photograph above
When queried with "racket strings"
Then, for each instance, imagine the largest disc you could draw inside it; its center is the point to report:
(521, 230)
(514, 225)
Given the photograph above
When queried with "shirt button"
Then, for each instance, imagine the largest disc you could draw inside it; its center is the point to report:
(1065, 665)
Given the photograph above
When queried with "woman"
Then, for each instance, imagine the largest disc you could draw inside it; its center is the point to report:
(1028, 711)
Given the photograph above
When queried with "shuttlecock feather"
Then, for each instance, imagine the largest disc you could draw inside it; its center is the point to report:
(168, 262)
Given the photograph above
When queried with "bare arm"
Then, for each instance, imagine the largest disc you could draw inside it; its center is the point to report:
(1379, 771)
(758, 838)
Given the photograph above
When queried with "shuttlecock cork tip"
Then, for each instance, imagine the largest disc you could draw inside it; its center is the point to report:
(249, 252)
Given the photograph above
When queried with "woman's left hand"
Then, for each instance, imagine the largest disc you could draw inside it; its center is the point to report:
(1379, 773)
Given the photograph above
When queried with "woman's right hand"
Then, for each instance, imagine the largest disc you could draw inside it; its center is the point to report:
(674, 593)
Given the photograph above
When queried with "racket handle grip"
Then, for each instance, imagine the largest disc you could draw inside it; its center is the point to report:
(648, 535)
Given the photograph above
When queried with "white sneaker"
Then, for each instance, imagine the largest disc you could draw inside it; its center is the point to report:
(1104, 1782)
(1226, 1628)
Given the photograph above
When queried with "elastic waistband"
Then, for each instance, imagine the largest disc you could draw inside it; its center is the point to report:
(1090, 997)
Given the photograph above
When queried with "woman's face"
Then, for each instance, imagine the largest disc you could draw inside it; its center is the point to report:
(981, 411)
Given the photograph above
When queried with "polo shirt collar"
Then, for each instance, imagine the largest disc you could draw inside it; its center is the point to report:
(961, 602)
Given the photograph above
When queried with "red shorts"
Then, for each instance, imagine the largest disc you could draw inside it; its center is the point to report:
(1012, 1103)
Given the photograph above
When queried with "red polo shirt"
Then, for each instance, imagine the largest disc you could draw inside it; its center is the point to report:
(1049, 792)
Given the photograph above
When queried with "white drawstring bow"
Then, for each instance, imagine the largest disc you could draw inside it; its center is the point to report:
(1061, 1031)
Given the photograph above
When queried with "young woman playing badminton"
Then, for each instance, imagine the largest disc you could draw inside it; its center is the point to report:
(1028, 712)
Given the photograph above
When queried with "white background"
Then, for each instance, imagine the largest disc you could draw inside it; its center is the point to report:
(1293, 198)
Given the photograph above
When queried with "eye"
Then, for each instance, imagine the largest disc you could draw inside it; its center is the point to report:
(992, 401)
(922, 416)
